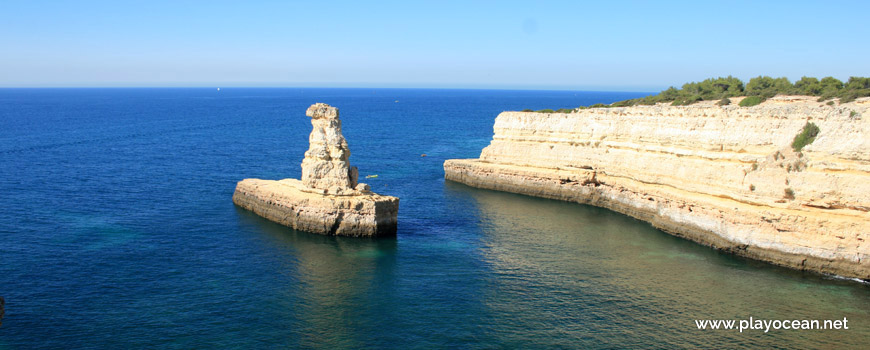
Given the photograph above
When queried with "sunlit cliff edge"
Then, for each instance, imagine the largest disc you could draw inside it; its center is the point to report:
(723, 176)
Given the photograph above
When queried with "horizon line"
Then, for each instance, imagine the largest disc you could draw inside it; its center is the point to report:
(590, 89)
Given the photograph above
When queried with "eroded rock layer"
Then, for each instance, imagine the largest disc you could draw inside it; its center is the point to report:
(288, 203)
(326, 166)
(722, 176)
(328, 200)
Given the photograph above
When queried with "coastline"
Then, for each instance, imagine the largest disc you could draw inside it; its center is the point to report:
(724, 177)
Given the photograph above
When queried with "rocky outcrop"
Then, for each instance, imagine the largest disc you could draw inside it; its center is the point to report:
(326, 165)
(328, 200)
(724, 176)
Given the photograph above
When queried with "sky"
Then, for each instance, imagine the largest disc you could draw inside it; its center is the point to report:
(561, 45)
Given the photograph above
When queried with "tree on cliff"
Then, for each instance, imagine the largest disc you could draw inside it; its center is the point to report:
(758, 89)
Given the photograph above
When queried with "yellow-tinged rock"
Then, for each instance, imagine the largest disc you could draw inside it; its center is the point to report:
(724, 176)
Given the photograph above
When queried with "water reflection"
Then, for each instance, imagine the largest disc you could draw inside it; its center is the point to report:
(336, 278)
(564, 273)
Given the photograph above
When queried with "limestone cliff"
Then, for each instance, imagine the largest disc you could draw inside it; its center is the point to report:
(725, 176)
(328, 200)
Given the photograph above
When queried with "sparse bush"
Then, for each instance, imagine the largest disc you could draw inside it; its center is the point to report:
(598, 105)
(752, 187)
(685, 101)
(564, 110)
(798, 165)
(546, 110)
(724, 102)
(528, 110)
(789, 194)
(625, 103)
(751, 101)
(805, 137)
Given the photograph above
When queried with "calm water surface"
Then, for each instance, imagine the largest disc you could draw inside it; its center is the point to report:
(118, 231)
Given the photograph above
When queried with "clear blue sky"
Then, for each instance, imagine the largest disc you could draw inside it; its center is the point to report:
(602, 45)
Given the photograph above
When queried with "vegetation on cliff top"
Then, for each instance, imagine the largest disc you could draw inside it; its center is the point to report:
(756, 91)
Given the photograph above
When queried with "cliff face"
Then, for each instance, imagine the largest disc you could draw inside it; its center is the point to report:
(722, 176)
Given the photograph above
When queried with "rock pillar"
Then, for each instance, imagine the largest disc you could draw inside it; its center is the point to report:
(326, 165)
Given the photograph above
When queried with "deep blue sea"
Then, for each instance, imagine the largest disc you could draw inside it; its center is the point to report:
(117, 230)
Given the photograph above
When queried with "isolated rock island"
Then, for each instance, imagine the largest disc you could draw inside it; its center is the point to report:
(328, 200)
(734, 178)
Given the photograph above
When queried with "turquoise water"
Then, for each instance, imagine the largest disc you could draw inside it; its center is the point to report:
(118, 231)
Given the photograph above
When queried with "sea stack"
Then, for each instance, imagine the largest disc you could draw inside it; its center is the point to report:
(328, 200)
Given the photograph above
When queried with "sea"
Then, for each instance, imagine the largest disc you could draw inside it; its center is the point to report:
(118, 231)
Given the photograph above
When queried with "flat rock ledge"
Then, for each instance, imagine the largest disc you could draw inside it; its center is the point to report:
(328, 200)
(289, 203)
(723, 176)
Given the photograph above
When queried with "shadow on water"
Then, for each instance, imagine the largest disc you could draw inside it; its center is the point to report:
(593, 276)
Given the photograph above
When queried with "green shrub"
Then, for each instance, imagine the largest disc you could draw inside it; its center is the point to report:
(685, 101)
(625, 103)
(857, 83)
(848, 96)
(808, 86)
(724, 102)
(805, 137)
(564, 110)
(598, 105)
(768, 87)
(714, 89)
(751, 101)
(546, 110)
(648, 101)
(831, 84)
(528, 110)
